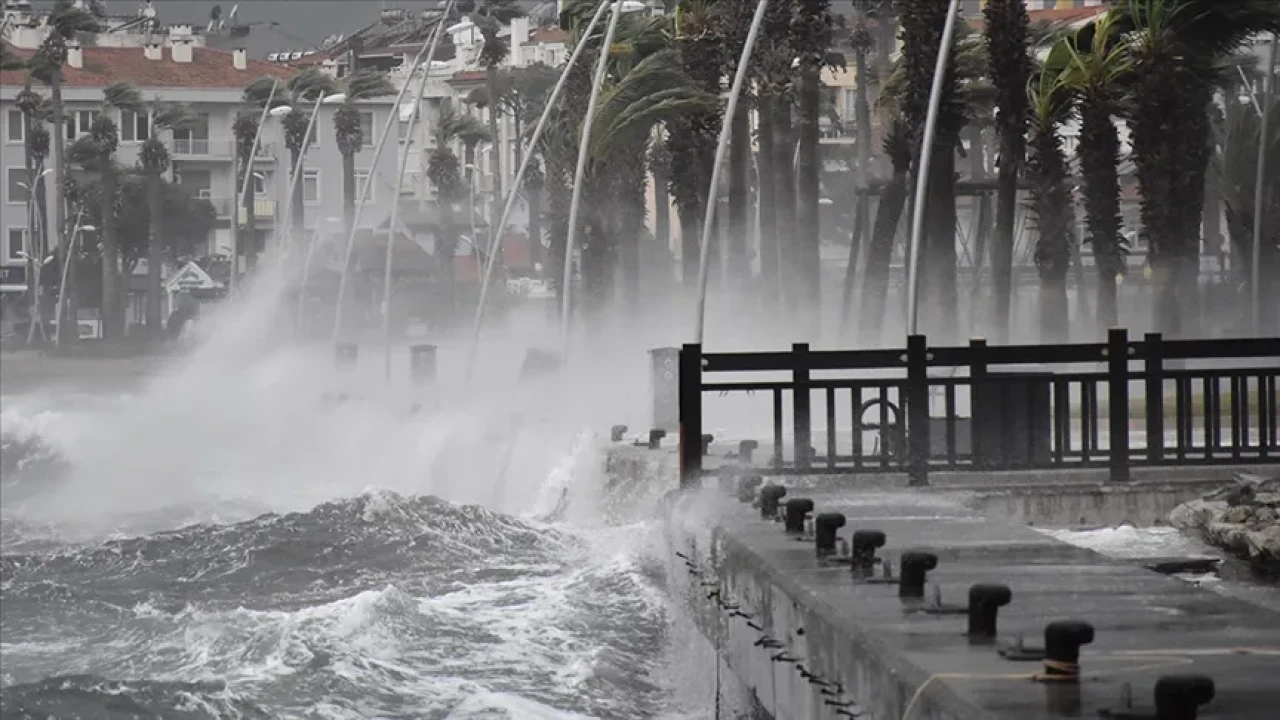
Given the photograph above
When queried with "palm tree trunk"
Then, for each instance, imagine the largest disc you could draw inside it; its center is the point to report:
(784, 193)
(34, 255)
(349, 190)
(248, 242)
(739, 197)
(297, 223)
(661, 225)
(939, 266)
(496, 156)
(1002, 239)
(68, 332)
(155, 254)
(808, 221)
(893, 201)
(111, 310)
(533, 197)
(766, 184)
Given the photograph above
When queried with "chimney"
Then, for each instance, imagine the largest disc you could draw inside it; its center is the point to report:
(519, 36)
(153, 51)
(239, 59)
(75, 56)
(180, 40)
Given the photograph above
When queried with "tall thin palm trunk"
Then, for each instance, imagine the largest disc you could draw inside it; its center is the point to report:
(67, 330)
(808, 220)
(739, 196)
(155, 253)
(112, 310)
(766, 188)
(784, 193)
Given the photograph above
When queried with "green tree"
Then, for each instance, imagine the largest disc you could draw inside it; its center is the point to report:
(1007, 29)
(489, 17)
(35, 114)
(811, 36)
(1095, 68)
(95, 152)
(154, 161)
(65, 22)
(1049, 100)
(444, 170)
(362, 85)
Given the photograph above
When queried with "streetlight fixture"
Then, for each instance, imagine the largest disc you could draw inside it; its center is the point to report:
(267, 111)
(922, 173)
(425, 54)
(519, 178)
(583, 148)
(76, 233)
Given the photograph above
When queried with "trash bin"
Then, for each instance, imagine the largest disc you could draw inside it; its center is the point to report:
(1013, 420)
(665, 374)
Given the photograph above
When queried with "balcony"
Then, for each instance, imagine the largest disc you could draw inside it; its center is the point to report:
(262, 209)
(215, 149)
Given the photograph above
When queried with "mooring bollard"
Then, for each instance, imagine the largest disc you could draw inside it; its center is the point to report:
(665, 376)
(345, 355)
(422, 364)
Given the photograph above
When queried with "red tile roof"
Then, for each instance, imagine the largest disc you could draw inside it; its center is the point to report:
(207, 69)
(1060, 16)
(468, 76)
(547, 35)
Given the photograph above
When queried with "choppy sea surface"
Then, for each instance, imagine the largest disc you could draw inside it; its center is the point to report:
(293, 559)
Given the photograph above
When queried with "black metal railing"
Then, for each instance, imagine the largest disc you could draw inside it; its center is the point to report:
(1056, 416)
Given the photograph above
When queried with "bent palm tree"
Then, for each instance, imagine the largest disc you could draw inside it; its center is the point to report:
(444, 170)
(307, 87)
(153, 159)
(35, 113)
(363, 85)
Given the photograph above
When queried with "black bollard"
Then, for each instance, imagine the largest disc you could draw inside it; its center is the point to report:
(706, 443)
(1178, 696)
(794, 514)
(913, 568)
(422, 364)
(748, 487)
(539, 363)
(345, 355)
(1062, 641)
(985, 602)
(865, 543)
(617, 432)
(655, 438)
(745, 448)
(825, 528)
(770, 497)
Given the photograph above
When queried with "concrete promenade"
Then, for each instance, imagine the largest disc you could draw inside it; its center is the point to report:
(811, 642)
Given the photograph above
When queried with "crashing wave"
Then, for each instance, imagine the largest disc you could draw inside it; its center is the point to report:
(90, 696)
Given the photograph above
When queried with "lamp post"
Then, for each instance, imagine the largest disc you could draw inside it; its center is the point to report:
(30, 251)
(76, 233)
(922, 173)
(426, 53)
(1255, 271)
(267, 111)
(296, 177)
(708, 222)
(519, 178)
(602, 65)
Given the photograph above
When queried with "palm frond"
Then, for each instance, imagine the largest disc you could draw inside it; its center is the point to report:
(310, 85)
(167, 115)
(365, 84)
(259, 89)
(122, 96)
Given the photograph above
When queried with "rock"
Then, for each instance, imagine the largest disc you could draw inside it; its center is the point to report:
(1264, 515)
(1196, 513)
(1242, 518)
(1237, 514)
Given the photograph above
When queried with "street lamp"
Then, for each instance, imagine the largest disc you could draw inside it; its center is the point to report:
(601, 66)
(519, 178)
(76, 233)
(267, 111)
(426, 53)
(294, 179)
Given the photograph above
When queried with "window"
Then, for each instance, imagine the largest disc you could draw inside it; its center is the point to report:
(16, 186)
(15, 132)
(17, 244)
(362, 176)
(261, 181)
(79, 122)
(366, 128)
(134, 127)
(311, 186)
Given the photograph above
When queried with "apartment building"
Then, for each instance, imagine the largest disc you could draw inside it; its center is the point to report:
(210, 83)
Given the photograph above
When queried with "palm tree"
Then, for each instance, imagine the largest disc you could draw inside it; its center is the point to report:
(307, 87)
(362, 85)
(732, 24)
(96, 153)
(35, 113)
(534, 179)
(811, 36)
(772, 66)
(1176, 47)
(893, 200)
(65, 22)
(1007, 24)
(153, 160)
(1049, 100)
(489, 17)
(1093, 73)
(444, 170)
(1235, 168)
(922, 23)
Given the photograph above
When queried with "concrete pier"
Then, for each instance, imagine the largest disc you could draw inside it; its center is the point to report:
(810, 641)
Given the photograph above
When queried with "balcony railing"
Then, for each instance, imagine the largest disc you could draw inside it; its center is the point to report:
(218, 148)
(262, 209)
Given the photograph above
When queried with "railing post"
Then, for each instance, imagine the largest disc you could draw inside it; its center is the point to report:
(800, 404)
(977, 378)
(1153, 368)
(666, 388)
(690, 416)
(917, 409)
(1118, 403)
